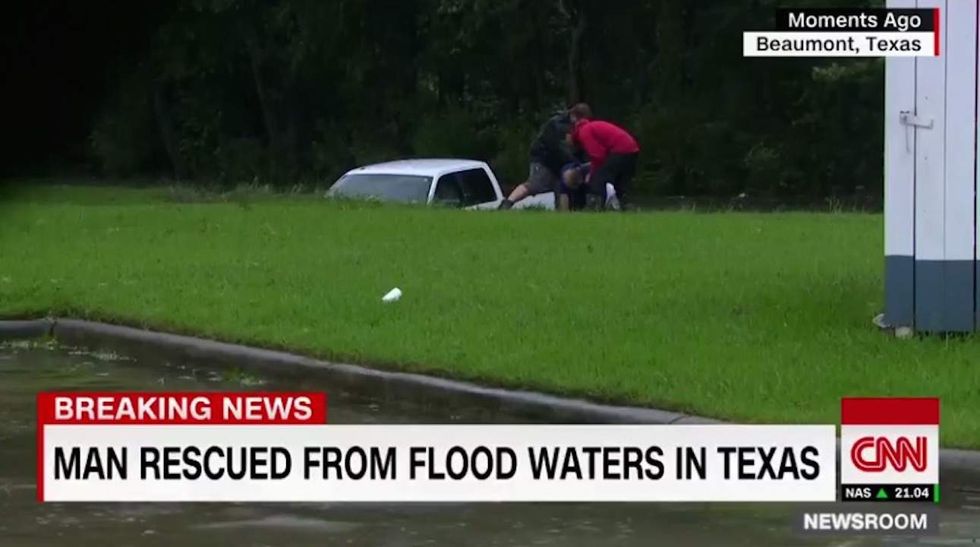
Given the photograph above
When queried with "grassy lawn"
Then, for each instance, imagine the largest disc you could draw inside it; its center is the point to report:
(749, 317)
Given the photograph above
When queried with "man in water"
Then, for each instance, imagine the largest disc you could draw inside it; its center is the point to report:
(549, 152)
(612, 152)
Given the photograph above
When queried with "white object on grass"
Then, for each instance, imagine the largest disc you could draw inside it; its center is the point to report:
(393, 295)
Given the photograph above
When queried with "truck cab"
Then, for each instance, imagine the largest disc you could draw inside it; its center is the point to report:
(459, 183)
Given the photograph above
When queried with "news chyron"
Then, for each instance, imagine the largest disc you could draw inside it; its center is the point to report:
(889, 450)
(852, 32)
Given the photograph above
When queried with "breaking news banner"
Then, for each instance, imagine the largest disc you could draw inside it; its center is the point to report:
(278, 447)
(854, 32)
(890, 449)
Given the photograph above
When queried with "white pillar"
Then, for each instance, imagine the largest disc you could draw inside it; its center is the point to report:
(930, 177)
(899, 187)
(959, 42)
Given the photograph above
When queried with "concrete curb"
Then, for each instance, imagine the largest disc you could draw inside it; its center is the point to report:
(140, 342)
(554, 409)
(32, 328)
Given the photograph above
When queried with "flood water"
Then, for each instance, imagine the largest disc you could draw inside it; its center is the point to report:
(26, 368)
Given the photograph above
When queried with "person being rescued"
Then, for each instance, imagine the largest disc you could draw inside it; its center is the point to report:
(573, 188)
(612, 154)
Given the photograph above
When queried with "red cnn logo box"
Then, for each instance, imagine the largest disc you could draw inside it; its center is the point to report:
(889, 441)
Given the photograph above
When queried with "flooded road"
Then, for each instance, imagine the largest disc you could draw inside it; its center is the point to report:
(26, 368)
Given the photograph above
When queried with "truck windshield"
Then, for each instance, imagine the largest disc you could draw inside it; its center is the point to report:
(400, 188)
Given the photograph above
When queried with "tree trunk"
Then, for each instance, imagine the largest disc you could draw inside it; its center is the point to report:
(575, 56)
(670, 51)
(538, 96)
(293, 103)
(268, 117)
(452, 85)
(409, 77)
(167, 132)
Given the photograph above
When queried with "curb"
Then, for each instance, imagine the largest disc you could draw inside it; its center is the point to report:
(33, 328)
(134, 341)
(554, 409)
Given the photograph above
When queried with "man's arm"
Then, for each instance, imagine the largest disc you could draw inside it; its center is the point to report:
(565, 153)
(595, 150)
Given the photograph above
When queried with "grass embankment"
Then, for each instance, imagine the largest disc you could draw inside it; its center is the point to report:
(751, 317)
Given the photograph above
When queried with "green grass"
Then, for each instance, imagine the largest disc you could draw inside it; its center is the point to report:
(748, 317)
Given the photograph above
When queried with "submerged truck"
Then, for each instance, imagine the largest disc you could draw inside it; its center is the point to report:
(458, 183)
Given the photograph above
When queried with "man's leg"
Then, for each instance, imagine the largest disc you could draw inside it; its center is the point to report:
(624, 178)
(539, 180)
(517, 194)
(617, 171)
(572, 198)
(595, 199)
(612, 199)
(567, 186)
(564, 203)
(579, 197)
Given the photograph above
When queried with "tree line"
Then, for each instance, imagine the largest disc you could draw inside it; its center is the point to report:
(297, 91)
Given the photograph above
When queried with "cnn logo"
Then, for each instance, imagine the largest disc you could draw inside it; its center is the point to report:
(876, 454)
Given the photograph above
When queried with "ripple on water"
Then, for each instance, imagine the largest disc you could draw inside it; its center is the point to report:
(286, 521)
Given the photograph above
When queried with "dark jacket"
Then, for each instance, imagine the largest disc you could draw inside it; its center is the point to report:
(549, 147)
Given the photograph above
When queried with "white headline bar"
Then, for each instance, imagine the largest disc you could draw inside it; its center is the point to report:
(438, 463)
(839, 44)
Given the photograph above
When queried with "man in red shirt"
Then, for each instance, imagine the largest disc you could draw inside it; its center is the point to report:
(612, 154)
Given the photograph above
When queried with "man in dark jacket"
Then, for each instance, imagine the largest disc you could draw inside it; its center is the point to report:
(549, 152)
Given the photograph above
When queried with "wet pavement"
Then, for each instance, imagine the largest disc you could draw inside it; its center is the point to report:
(27, 367)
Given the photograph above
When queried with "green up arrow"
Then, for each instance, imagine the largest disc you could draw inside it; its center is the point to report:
(882, 495)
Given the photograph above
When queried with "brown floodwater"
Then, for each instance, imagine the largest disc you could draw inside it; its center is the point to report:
(26, 368)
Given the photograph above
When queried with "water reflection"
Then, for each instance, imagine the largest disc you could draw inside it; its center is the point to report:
(26, 368)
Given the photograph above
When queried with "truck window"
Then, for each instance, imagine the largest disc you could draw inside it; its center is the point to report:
(448, 190)
(403, 188)
(477, 187)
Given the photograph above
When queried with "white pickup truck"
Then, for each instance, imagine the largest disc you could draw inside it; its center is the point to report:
(467, 184)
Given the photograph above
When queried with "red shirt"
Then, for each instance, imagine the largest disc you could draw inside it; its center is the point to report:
(599, 139)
